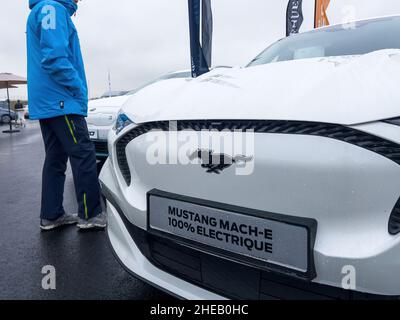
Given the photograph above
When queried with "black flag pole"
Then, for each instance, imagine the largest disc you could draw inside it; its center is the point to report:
(207, 31)
(294, 17)
(200, 25)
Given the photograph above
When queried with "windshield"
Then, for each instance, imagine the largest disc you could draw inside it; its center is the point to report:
(361, 38)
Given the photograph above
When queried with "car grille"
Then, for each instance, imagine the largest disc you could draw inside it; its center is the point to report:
(101, 147)
(364, 140)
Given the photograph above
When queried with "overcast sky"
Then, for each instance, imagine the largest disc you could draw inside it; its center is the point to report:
(141, 39)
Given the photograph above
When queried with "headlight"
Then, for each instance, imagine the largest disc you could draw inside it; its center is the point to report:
(122, 122)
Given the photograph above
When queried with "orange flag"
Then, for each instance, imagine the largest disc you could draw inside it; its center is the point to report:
(321, 18)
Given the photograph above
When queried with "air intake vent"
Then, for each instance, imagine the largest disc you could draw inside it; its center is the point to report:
(361, 139)
(101, 147)
(394, 222)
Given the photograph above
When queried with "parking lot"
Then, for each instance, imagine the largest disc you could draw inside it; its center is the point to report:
(84, 264)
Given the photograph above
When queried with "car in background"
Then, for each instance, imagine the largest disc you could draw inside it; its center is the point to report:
(110, 94)
(5, 116)
(302, 198)
(102, 113)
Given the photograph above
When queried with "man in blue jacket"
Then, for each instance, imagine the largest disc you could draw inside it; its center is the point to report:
(58, 97)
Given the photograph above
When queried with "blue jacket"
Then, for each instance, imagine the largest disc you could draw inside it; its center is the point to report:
(56, 74)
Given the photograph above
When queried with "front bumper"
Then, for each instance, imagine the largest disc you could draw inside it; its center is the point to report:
(195, 275)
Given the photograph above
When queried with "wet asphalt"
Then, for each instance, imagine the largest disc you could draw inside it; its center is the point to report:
(84, 263)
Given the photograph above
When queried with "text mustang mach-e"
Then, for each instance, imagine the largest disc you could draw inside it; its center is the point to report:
(277, 180)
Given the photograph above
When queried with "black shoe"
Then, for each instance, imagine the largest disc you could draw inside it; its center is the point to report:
(64, 220)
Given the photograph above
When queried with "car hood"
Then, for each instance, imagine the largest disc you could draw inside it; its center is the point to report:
(109, 105)
(345, 90)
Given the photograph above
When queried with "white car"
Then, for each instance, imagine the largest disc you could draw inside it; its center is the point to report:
(277, 180)
(102, 113)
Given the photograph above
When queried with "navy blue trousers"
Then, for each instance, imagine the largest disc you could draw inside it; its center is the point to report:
(67, 137)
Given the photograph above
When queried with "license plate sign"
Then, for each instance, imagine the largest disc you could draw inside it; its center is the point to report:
(246, 233)
(93, 134)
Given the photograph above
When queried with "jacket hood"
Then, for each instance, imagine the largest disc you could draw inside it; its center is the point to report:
(343, 90)
(69, 4)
